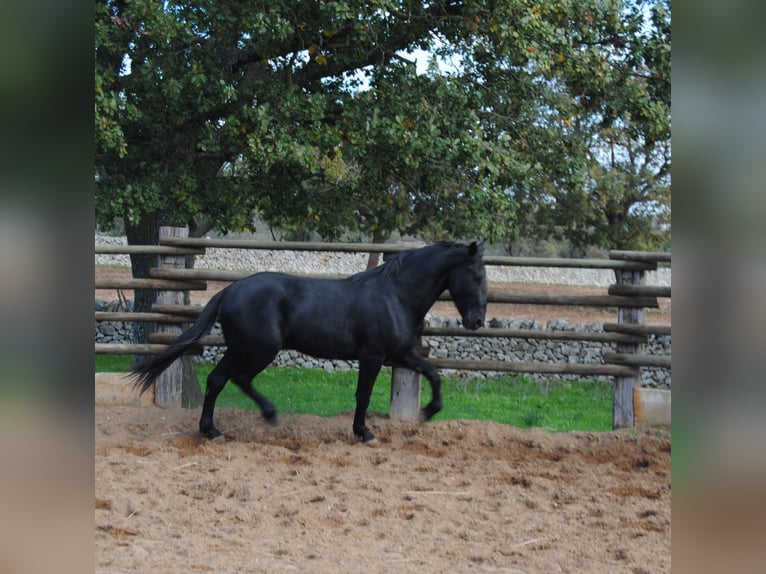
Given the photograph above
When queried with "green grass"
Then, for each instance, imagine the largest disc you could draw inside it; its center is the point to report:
(517, 401)
(113, 363)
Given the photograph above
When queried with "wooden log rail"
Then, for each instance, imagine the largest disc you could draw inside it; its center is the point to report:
(141, 317)
(205, 243)
(199, 276)
(527, 334)
(629, 296)
(533, 367)
(662, 362)
(146, 250)
(128, 348)
(641, 330)
(639, 291)
(149, 283)
(651, 257)
(187, 313)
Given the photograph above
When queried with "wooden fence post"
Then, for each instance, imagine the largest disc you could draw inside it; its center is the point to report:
(176, 386)
(405, 393)
(622, 413)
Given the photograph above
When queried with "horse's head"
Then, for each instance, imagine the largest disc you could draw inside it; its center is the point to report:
(467, 283)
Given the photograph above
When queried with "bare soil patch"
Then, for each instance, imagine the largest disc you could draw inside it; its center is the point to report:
(449, 496)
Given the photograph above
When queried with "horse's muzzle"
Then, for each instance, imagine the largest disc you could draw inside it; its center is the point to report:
(473, 324)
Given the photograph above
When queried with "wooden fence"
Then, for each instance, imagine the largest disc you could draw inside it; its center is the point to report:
(628, 295)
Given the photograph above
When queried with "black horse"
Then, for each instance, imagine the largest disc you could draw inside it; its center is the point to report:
(374, 316)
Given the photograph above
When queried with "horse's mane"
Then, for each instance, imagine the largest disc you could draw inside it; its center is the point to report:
(393, 263)
(391, 267)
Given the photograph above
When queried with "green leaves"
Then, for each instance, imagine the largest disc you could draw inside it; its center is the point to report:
(309, 113)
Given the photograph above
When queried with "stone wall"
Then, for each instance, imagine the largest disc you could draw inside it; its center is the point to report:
(330, 262)
(474, 348)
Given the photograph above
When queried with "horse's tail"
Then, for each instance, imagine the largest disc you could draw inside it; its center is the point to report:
(146, 372)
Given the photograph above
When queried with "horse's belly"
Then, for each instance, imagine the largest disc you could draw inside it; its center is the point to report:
(348, 343)
(344, 324)
(322, 345)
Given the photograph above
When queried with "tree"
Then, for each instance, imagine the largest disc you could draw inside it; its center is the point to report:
(413, 159)
(303, 110)
(613, 189)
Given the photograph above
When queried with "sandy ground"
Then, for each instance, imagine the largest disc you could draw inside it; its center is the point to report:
(449, 496)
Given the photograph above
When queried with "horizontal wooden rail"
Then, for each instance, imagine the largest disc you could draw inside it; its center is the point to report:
(661, 362)
(643, 256)
(513, 298)
(201, 243)
(184, 310)
(148, 283)
(172, 314)
(207, 340)
(131, 349)
(534, 367)
(476, 365)
(492, 297)
(564, 263)
(147, 250)
(641, 330)
(140, 317)
(198, 274)
(217, 340)
(568, 300)
(221, 274)
(639, 290)
(554, 335)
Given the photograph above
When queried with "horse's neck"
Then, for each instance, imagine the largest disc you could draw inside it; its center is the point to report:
(423, 284)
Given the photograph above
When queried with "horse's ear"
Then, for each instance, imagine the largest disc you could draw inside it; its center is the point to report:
(476, 248)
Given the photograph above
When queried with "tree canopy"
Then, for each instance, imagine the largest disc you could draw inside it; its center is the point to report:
(543, 118)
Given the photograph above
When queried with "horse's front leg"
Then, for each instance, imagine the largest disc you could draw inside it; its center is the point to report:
(368, 373)
(414, 361)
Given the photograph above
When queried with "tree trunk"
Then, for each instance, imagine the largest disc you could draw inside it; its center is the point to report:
(374, 258)
(146, 232)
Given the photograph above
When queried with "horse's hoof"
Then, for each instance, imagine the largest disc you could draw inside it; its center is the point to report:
(211, 434)
(372, 443)
(271, 420)
(428, 412)
(366, 437)
(426, 415)
(218, 439)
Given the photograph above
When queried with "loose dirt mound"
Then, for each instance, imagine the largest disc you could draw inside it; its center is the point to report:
(450, 496)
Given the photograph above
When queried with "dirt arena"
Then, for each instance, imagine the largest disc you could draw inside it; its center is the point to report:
(449, 496)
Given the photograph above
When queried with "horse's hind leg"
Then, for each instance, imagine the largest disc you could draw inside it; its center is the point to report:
(414, 361)
(243, 377)
(368, 372)
(216, 380)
